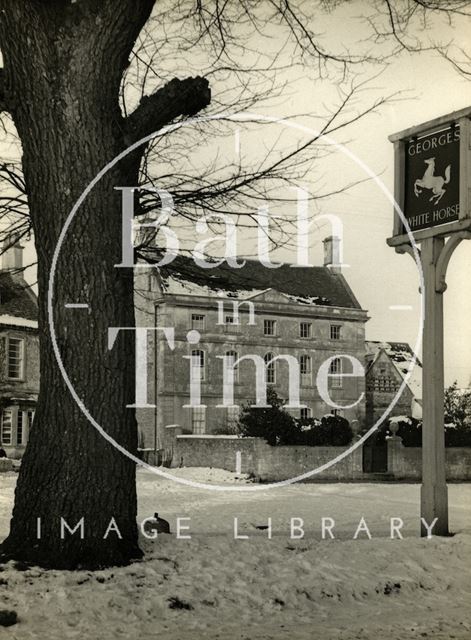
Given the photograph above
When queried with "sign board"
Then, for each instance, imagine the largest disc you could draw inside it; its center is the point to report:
(432, 167)
(432, 173)
(432, 179)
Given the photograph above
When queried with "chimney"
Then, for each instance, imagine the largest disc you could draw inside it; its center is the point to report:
(12, 255)
(332, 258)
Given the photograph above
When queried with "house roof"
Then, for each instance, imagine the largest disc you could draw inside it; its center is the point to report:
(403, 359)
(17, 299)
(306, 285)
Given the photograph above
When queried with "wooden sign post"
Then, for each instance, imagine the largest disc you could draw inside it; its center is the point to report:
(433, 190)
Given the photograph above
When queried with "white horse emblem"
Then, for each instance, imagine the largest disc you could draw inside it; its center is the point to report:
(433, 182)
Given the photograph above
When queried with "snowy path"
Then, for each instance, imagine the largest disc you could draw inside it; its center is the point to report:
(261, 589)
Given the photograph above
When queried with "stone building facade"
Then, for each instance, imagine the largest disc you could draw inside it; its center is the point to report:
(307, 313)
(19, 354)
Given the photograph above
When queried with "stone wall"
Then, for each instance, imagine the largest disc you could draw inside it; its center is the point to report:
(274, 464)
(219, 452)
(281, 463)
(405, 463)
(266, 463)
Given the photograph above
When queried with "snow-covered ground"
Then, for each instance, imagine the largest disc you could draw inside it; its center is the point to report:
(212, 586)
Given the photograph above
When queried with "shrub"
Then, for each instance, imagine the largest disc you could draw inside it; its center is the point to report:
(273, 423)
(278, 427)
(227, 430)
(456, 436)
(330, 431)
(410, 432)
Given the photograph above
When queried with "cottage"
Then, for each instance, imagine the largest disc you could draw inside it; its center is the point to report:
(388, 366)
(19, 352)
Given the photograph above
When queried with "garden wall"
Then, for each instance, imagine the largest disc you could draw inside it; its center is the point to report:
(266, 463)
(274, 464)
(218, 451)
(405, 463)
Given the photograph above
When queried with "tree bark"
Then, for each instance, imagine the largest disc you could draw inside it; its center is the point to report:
(63, 64)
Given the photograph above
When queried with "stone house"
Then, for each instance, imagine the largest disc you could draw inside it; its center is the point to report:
(308, 313)
(19, 353)
(387, 366)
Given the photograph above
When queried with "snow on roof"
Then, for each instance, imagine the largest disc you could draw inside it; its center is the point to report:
(177, 286)
(307, 285)
(16, 296)
(403, 359)
(17, 322)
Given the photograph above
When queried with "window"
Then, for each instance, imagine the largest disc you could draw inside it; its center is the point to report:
(15, 425)
(305, 329)
(15, 358)
(23, 427)
(335, 370)
(19, 428)
(270, 373)
(234, 357)
(305, 413)
(197, 321)
(198, 363)
(305, 369)
(269, 327)
(7, 426)
(231, 323)
(335, 331)
(198, 420)
(384, 383)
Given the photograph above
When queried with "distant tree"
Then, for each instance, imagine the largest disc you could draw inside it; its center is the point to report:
(457, 422)
(457, 416)
(458, 407)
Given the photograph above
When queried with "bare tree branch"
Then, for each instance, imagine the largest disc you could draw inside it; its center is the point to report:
(177, 98)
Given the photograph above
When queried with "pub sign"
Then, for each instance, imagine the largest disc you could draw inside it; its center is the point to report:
(432, 178)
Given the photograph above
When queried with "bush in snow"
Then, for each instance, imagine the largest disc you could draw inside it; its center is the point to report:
(410, 432)
(278, 427)
(273, 423)
(409, 429)
(330, 431)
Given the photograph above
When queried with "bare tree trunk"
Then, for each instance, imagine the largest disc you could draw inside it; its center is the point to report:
(63, 64)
